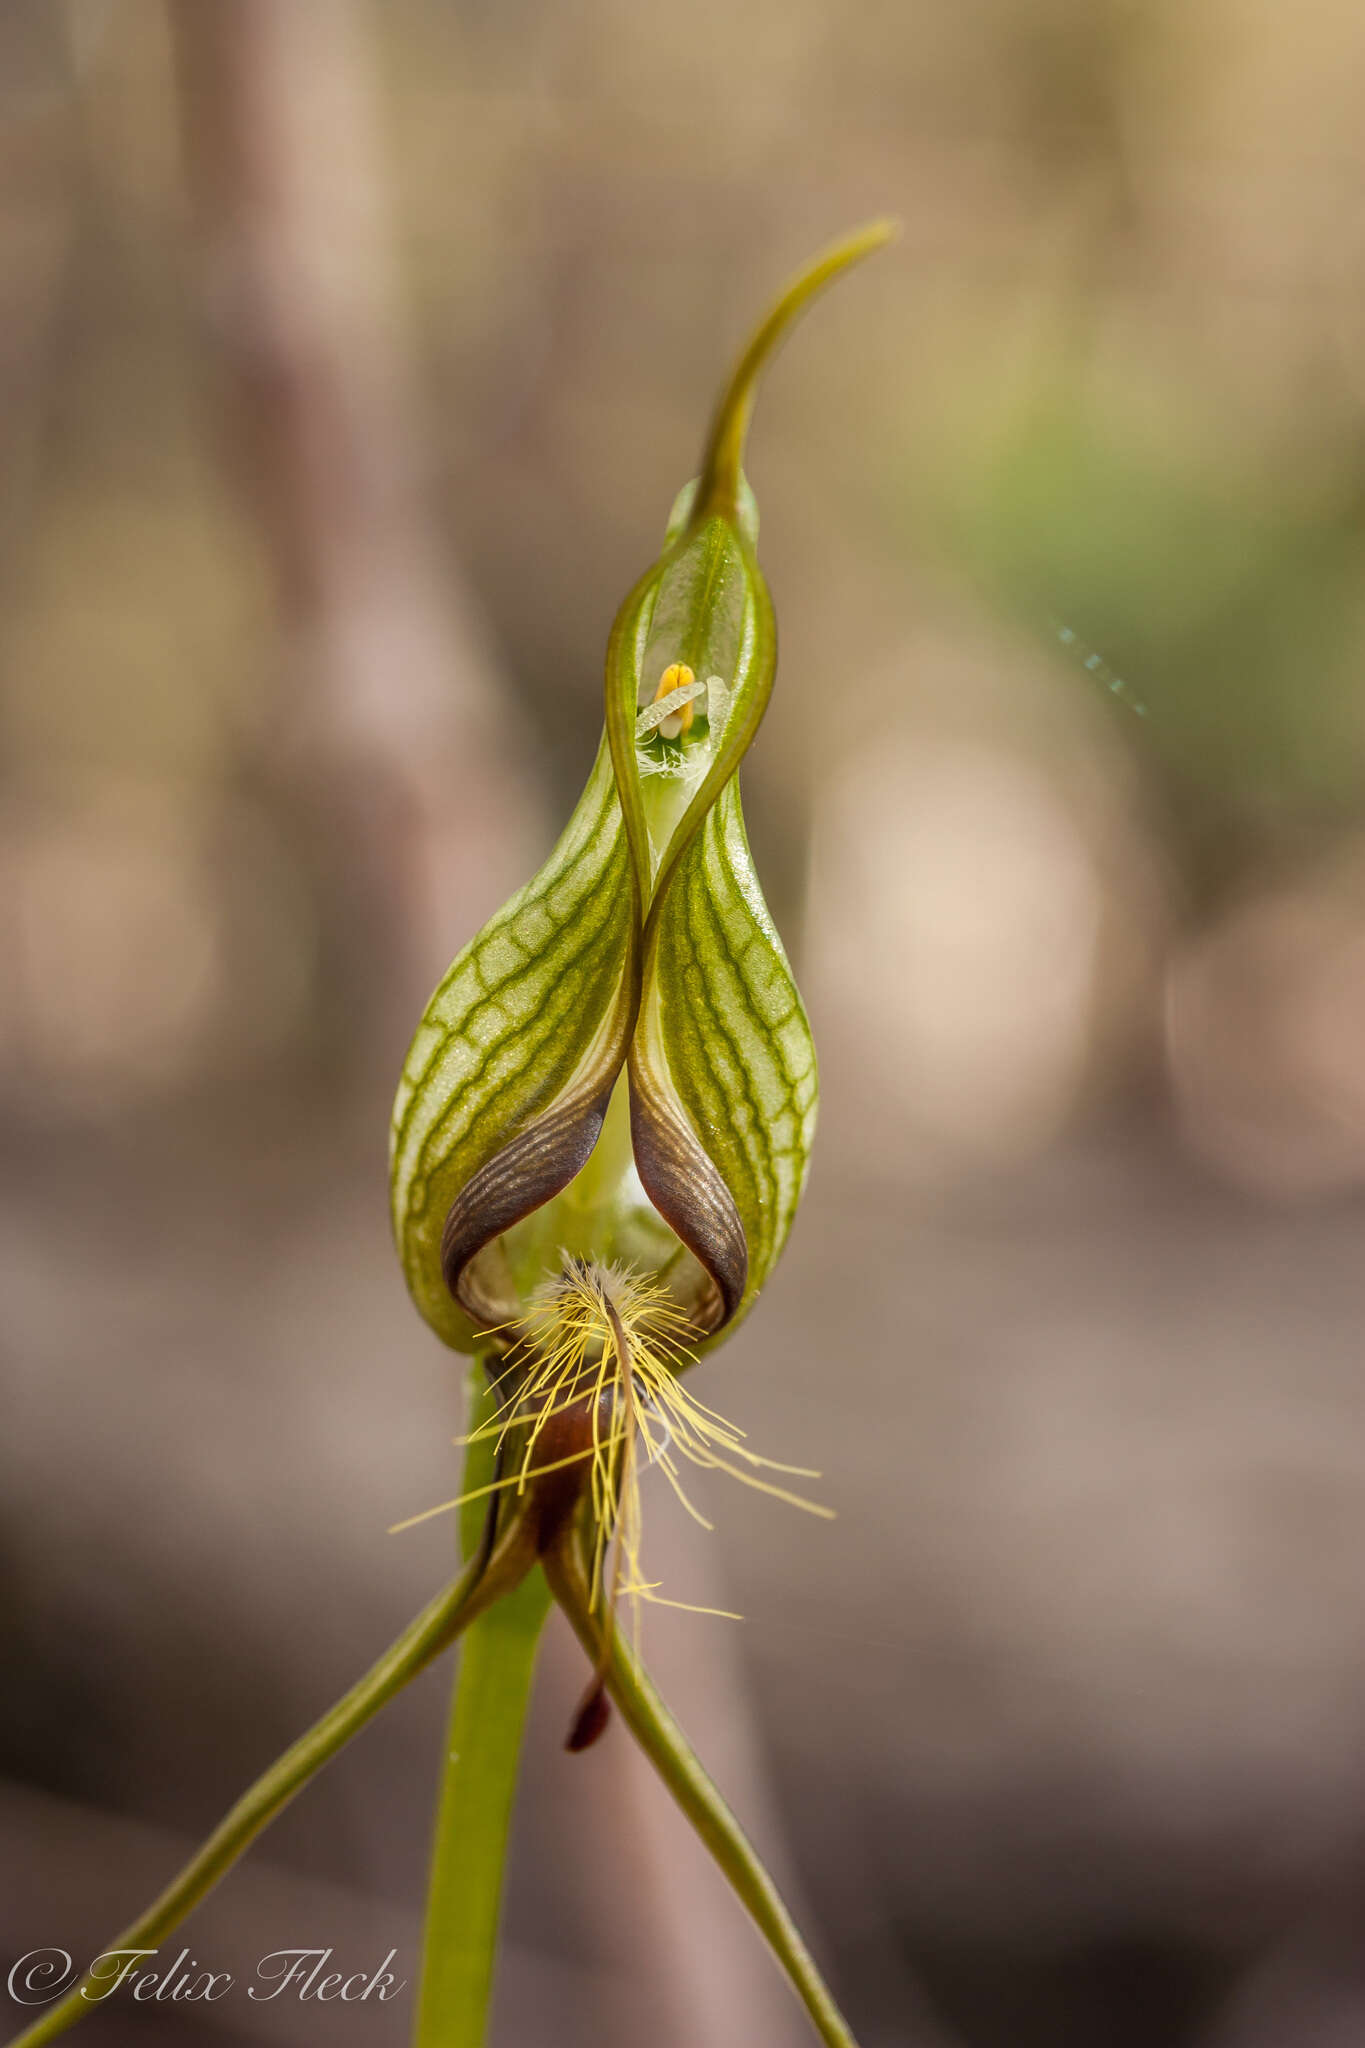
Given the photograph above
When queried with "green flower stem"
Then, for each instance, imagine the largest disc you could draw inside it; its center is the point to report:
(435, 1628)
(478, 1785)
(668, 1749)
(483, 1754)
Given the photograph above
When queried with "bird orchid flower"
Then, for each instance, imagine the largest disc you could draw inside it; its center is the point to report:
(599, 1143)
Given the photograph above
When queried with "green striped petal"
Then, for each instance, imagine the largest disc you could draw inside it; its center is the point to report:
(723, 1029)
(508, 1077)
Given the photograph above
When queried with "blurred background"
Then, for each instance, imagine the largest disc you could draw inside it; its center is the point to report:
(350, 356)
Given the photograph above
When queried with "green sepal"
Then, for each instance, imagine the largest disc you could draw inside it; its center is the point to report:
(711, 609)
(722, 1065)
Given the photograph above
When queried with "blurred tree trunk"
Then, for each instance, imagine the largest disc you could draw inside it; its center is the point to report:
(393, 736)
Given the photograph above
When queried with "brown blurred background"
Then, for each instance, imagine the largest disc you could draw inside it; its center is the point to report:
(350, 356)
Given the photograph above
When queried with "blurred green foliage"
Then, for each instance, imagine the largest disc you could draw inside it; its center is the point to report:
(1230, 609)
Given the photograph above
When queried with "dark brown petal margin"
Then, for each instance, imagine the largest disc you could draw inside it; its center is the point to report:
(685, 1187)
(529, 1171)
